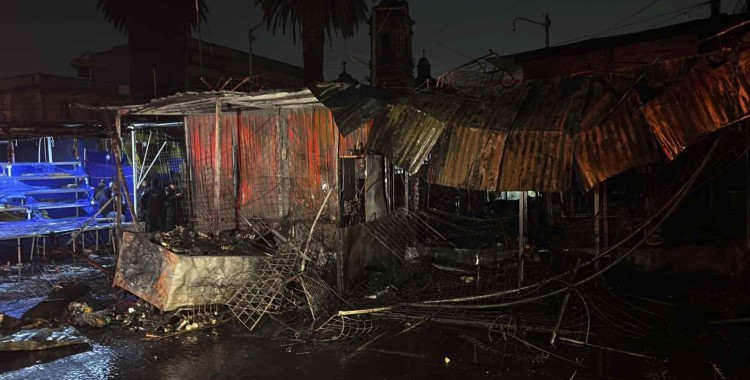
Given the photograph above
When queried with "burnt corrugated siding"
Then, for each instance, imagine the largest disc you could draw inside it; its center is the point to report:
(285, 160)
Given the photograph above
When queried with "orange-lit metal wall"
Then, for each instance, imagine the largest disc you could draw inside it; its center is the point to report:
(273, 163)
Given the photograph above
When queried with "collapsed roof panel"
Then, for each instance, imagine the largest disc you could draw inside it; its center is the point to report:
(613, 137)
(539, 150)
(703, 102)
(468, 158)
(412, 127)
(351, 105)
(189, 103)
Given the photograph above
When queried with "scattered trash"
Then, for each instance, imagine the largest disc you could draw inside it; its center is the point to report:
(81, 314)
(8, 323)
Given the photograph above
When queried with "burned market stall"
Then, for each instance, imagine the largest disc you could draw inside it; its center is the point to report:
(261, 174)
(342, 210)
(526, 193)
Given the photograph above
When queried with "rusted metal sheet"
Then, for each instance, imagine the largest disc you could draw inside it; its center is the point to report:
(351, 105)
(470, 154)
(273, 163)
(200, 131)
(289, 162)
(411, 128)
(259, 142)
(312, 160)
(228, 210)
(613, 138)
(703, 102)
(468, 158)
(743, 78)
(539, 149)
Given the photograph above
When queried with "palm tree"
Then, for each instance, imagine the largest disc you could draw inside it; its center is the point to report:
(157, 33)
(313, 21)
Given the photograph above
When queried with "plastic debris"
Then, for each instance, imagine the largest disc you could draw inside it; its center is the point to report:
(42, 339)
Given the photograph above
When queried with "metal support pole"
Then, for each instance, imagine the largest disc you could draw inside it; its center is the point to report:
(597, 239)
(250, 53)
(145, 157)
(747, 193)
(135, 174)
(19, 263)
(190, 185)
(605, 216)
(546, 24)
(564, 305)
(522, 211)
(200, 37)
(122, 190)
(50, 141)
(373, 52)
(217, 160)
(144, 175)
(250, 40)
(406, 190)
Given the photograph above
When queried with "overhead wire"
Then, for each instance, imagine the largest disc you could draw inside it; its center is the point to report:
(685, 13)
(621, 26)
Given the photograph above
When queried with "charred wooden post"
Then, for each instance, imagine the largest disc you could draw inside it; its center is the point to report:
(597, 224)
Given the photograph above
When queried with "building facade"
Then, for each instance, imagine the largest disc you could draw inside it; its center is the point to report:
(392, 64)
(214, 63)
(47, 99)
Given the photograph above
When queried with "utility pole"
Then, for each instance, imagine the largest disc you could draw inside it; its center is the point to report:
(200, 37)
(546, 24)
(250, 40)
(374, 53)
(715, 8)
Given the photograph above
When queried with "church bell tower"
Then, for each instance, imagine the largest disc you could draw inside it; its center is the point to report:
(391, 61)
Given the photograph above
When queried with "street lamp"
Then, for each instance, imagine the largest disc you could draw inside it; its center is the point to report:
(546, 24)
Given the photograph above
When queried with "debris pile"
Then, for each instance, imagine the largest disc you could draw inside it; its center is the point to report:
(229, 242)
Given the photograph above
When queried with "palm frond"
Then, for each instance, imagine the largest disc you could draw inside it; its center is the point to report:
(335, 16)
(164, 16)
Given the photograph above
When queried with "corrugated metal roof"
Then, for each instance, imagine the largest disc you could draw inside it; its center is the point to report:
(469, 155)
(704, 101)
(411, 128)
(351, 105)
(600, 126)
(613, 138)
(539, 150)
(188, 103)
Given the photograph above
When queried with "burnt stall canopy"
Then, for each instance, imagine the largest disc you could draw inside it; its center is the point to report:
(268, 156)
(541, 135)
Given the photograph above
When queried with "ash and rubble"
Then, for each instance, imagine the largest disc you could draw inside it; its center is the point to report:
(228, 242)
(290, 295)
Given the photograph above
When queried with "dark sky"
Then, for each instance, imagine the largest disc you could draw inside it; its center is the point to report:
(45, 35)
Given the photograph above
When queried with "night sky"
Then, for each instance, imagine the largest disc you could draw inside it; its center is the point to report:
(45, 35)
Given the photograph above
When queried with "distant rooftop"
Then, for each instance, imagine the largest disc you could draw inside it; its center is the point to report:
(703, 27)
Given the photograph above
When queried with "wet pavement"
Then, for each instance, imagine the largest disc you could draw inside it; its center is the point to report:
(228, 352)
(687, 348)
